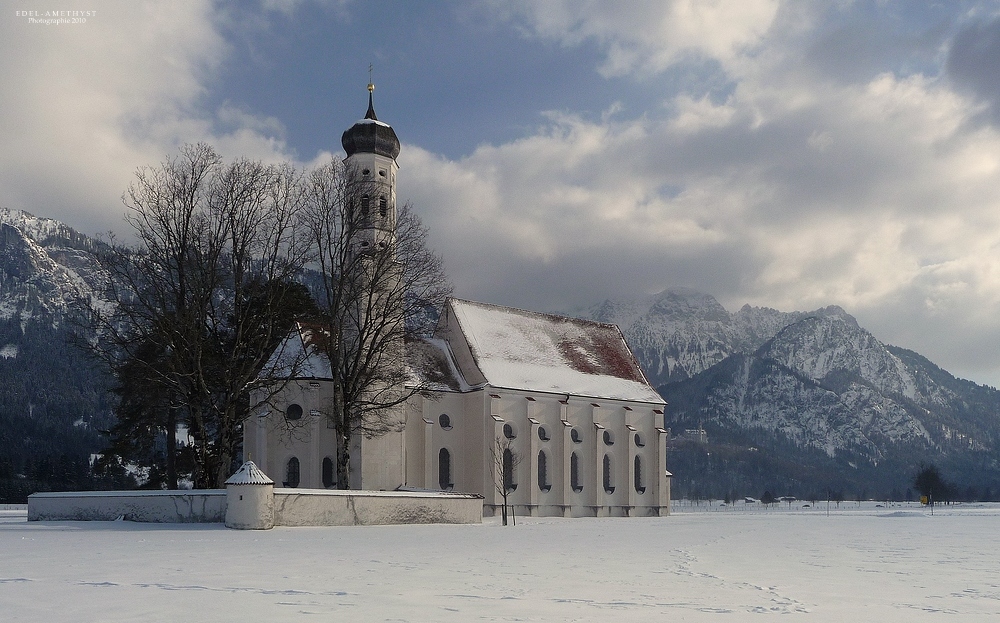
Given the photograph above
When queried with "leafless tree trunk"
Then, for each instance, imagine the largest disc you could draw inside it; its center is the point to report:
(379, 280)
(505, 462)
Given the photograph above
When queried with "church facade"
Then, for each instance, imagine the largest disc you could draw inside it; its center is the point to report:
(554, 411)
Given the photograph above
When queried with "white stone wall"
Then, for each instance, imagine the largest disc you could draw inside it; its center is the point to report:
(201, 506)
(271, 440)
(478, 418)
(364, 508)
(287, 507)
(250, 506)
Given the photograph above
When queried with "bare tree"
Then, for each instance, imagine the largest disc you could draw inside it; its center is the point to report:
(505, 462)
(379, 281)
(206, 295)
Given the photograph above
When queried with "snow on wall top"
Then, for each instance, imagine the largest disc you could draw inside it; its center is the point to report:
(249, 474)
(518, 349)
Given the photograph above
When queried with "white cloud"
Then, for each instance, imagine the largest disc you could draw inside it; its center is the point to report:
(798, 185)
(796, 191)
(649, 36)
(85, 104)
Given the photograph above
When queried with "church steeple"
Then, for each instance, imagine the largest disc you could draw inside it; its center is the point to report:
(370, 135)
(372, 147)
(371, 106)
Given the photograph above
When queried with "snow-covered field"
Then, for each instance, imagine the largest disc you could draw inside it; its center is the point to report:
(701, 564)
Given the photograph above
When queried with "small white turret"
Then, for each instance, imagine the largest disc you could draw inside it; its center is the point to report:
(249, 499)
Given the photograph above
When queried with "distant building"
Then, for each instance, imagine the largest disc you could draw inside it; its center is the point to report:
(694, 435)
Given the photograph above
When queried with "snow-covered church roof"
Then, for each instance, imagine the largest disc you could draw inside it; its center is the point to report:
(524, 350)
(298, 355)
(501, 347)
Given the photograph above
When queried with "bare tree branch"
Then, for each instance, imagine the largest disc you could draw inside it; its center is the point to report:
(204, 297)
(379, 281)
(505, 462)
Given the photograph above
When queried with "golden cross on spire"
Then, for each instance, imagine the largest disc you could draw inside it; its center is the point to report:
(371, 85)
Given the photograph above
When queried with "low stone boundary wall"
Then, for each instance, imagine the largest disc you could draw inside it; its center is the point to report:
(292, 507)
(192, 506)
(320, 507)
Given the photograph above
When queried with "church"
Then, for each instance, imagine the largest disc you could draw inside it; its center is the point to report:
(552, 410)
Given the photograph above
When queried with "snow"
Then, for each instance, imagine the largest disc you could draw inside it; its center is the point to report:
(8, 351)
(298, 356)
(517, 349)
(857, 564)
(249, 474)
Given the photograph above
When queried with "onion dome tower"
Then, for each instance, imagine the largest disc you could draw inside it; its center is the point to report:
(372, 147)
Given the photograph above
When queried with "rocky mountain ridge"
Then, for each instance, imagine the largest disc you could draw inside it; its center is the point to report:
(815, 383)
(46, 267)
(54, 399)
(681, 332)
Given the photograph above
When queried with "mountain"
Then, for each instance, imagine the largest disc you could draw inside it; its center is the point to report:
(681, 332)
(54, 398)
(803, 402)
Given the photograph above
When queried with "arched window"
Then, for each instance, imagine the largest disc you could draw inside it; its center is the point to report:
(640, 487)
(574, 473)
(509, 477)
(444, 421)
(328, 480)
(383, 207)
(544, 483)
(576, 436)
(609, 486)
(293, 412)
(365, 206)
(292, 473)
(444, 470)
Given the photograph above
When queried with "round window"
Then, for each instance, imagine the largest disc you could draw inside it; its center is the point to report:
(509, 431)
(609, 438)
(576, 436)
(293, 412)
(543, 434)
(639, 441)
(445, 421)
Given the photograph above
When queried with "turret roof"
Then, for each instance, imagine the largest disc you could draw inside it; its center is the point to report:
(249, 474)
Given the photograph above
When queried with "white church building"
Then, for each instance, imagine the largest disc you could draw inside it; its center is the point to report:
(560, 401)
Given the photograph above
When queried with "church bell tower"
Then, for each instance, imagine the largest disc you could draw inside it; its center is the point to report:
(372, 147)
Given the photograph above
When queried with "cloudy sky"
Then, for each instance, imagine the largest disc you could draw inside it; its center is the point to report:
(787, 154)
